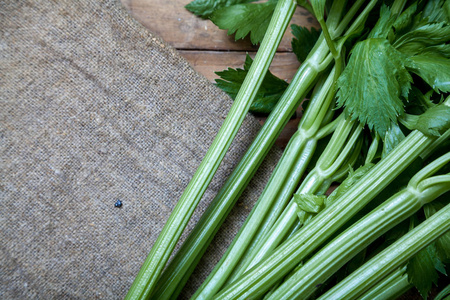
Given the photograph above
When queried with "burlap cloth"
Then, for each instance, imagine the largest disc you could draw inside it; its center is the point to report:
(94, 108)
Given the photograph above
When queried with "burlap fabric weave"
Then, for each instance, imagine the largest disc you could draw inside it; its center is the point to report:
(94, 108)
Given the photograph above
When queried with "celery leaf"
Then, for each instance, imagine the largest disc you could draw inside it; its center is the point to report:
(422, 269)
(442, 243)
(351, 179)
(372, 83)
(434, 121)
(418, 103)
(441, 50)
(392, 138)
(308, 205)
(437, 11)
(416, 40)
(244, 19)
(204, 8)
(272, 87)
(404, 21)
(433, 69)
(383, 25)
(303, 41)
(309, 202)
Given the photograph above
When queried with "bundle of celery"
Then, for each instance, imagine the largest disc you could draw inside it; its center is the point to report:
(378, 76)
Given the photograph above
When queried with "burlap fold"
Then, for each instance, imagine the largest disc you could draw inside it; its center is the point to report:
(95, 109)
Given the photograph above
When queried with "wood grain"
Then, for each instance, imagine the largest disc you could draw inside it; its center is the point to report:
(205, 46)
(183, 30)
(284, 64)
(209, 49)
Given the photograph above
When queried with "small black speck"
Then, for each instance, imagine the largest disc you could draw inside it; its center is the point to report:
(118, 203)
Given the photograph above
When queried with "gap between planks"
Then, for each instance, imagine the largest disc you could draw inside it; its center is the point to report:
(284, 64)
(183, 30)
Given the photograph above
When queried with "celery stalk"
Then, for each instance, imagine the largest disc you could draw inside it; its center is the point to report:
(329, 259)
(392, 257)
(146, 280)
(288, 255)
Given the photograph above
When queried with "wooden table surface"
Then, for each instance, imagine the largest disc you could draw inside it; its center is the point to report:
(203, 44)
(209, 49)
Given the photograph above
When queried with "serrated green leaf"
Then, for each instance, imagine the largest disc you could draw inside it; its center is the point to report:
(421, 269)
(304, 217)
(417, 104)
(351, 179)
(434, 121)
(383, 25)
(442, 243)
(433, 69)
(435, 11)
(431, 9)
(303, 41)
(416, 40)
(406, 18)
(372, 83)
(446, 9)
(244, 19)
(272, 87)
(443, 247)
(392, 138)
(308, 205)
(204, 8)
(309, 202)
(265, 105)
(439, 50)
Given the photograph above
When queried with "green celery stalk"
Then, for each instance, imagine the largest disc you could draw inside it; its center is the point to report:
(334, 255)
(392, 257)
(184, 261)
(145, 281)
(250, 284)
(332, 164)
(443, 295)
(280, 187)
(308, 132)
(391, 287)
(178, 271)
(190, 252)
(289, 254)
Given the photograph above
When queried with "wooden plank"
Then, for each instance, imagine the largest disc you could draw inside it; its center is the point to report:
(183, 30)
(209, 49)
(284, 64)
